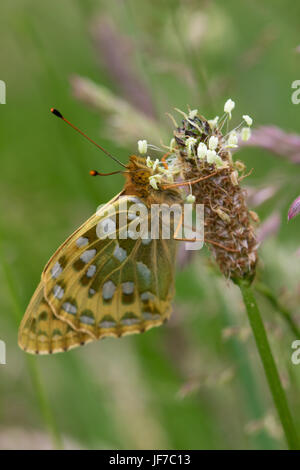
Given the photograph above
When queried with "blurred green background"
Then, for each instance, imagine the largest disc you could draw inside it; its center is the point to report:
(114, 69)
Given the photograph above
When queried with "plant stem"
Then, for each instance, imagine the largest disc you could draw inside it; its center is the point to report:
(45, 407)
(253, 400)
(285, 314)
(269, 365)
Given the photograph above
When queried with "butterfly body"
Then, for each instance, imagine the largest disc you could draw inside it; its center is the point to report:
(96, 286)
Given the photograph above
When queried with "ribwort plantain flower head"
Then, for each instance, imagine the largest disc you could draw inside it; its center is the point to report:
(203, 152)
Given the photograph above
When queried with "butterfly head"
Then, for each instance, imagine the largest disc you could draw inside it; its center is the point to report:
(146, 181)
(138, 170)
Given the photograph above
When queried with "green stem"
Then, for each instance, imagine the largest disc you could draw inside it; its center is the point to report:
(45, 407)
(269, 365)
(253, 400)
(285, 314)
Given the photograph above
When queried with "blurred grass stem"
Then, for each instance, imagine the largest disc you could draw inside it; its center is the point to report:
(269, 365)
(285, 314)
(45, 407)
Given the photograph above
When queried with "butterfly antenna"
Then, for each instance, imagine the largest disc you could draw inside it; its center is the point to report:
(59, 115)
(97, 173)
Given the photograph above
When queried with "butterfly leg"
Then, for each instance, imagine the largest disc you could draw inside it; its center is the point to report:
(207, 240)
(187, 183)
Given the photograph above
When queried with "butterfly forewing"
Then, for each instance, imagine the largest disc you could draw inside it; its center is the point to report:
(110, 286)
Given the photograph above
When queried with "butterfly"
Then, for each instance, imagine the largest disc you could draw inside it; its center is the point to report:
(95, 286)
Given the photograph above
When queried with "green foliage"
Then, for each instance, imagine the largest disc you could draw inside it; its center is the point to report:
(196, 382)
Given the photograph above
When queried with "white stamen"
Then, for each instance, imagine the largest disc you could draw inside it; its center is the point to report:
(219, 162)
(190, 199)
(193, 113)
(149, 162)
(232, 140)
(190, 142)
(202, 150)
(142, 146)
(213, 122)
(155, 164)
(229, 106)
(211, 156)
(213, 142)
(234, 178)
(154, 179)
(245, 133)
(248, 120)
(172, 144)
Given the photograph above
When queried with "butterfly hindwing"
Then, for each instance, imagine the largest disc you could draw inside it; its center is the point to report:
(42, 333)
(110, 286)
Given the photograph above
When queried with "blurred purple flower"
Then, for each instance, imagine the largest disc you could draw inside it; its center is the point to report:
(116, 52)
(294, 209)
(256, 197)
(276, 140)
(269, 227)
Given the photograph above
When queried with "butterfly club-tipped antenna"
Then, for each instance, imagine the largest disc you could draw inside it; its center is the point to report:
(93, 172)
(98, 173)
